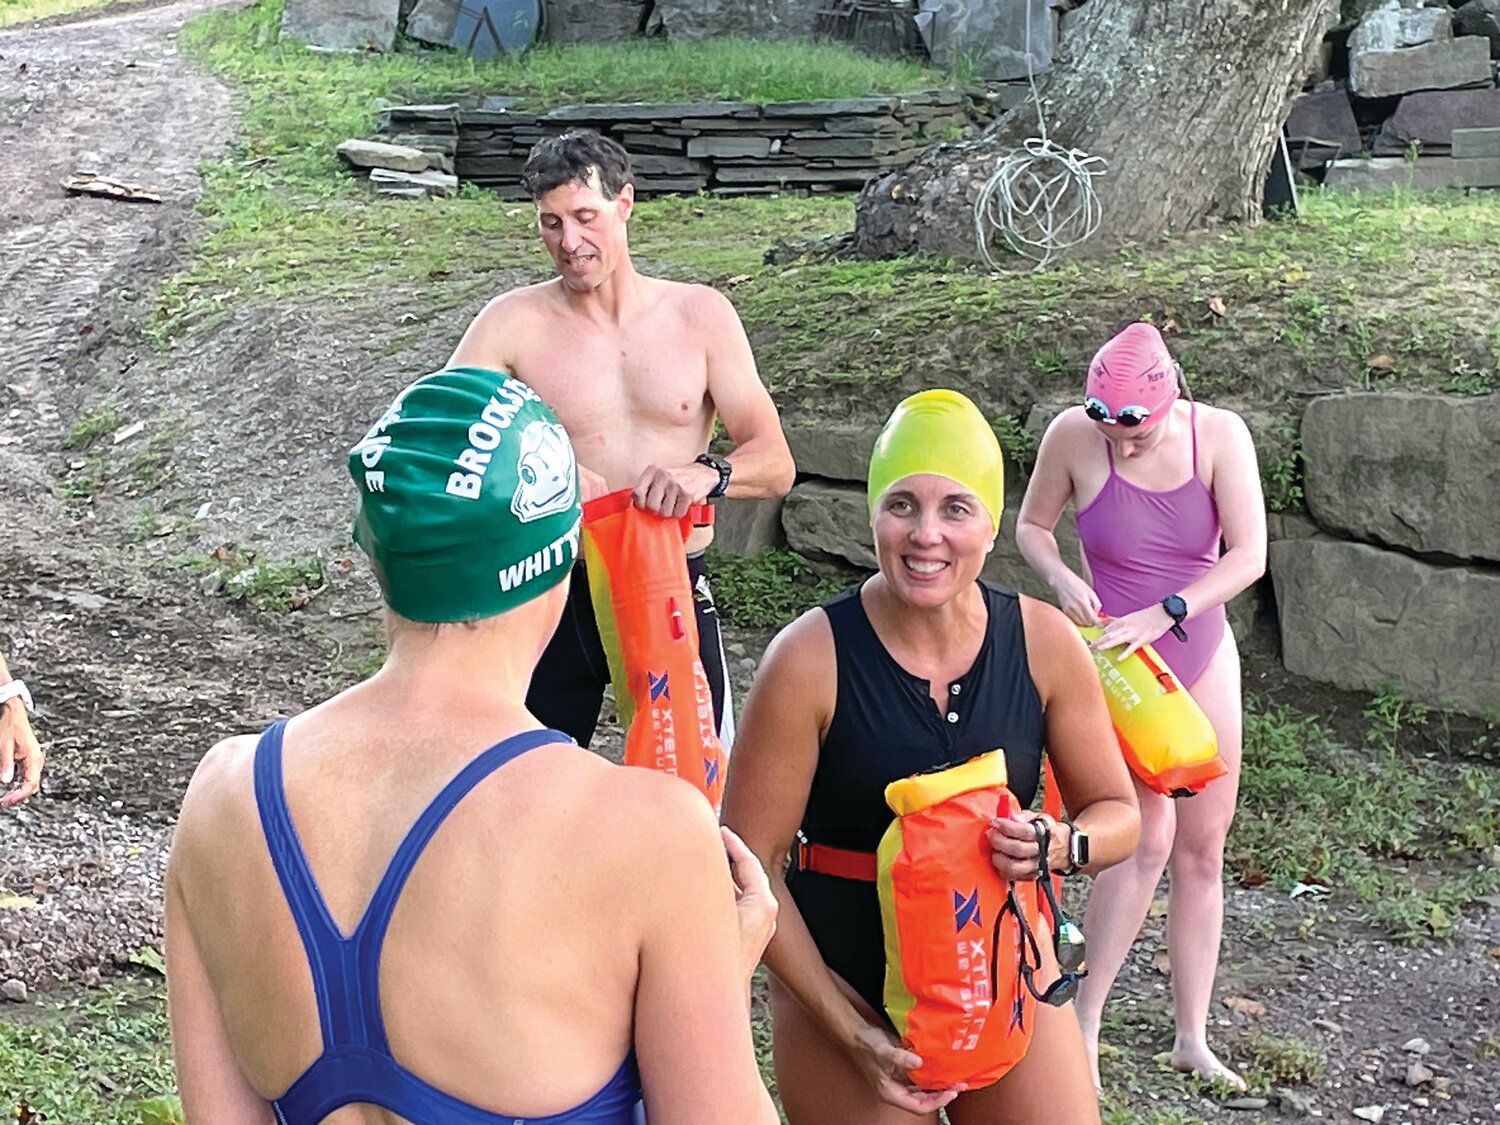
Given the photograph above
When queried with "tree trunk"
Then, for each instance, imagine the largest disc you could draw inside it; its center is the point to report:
(1183, 99)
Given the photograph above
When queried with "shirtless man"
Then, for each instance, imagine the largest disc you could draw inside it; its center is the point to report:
(637, 368)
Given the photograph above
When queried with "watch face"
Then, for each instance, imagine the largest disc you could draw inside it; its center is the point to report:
(1174, 605)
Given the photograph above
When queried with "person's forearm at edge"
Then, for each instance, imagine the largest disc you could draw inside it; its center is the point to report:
(1113, 827)
(1237, 569)
(1038, 546)
(762, 468)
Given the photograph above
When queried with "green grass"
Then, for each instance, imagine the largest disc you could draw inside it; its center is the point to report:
(283, 216)
(1406, 831)
(100, 420)
(274, 586)
(23, 11)
(100, 1057)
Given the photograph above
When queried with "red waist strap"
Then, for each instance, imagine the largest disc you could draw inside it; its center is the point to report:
(835, 861)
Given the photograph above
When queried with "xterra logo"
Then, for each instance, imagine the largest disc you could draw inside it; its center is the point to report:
(657, 686)
(966, 910)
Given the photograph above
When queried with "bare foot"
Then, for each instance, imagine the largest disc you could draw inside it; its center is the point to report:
(1198, 1059)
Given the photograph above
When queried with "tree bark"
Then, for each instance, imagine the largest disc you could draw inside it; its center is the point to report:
(1183, 99)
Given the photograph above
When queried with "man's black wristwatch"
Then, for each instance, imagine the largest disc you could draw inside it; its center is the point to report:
(1078, 849)
(1177, 610)
(721, 466)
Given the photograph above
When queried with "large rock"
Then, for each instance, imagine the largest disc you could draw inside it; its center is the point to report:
(342, 25)
(831, 450)
(593, 21)
(1443, 65)
(1481, 17)
(1360, 617)
(833, 519)
(704, 19)
(1324, 115)
(746, 527)
(989, 36)
(1429, 118)
(1420, 472)
(1393, 26)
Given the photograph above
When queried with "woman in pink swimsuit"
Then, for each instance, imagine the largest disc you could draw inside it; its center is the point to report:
(1172, 524)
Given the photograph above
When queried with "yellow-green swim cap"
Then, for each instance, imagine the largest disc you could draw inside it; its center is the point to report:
(941, 432)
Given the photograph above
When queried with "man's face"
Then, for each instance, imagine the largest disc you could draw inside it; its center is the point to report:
(584, 230)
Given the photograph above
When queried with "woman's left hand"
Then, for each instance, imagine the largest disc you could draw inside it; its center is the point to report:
(1014, 845)
(1133, 630)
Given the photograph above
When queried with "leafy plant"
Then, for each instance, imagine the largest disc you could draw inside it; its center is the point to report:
(766, 590)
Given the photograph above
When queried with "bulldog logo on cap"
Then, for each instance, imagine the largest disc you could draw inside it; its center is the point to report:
(547, 477)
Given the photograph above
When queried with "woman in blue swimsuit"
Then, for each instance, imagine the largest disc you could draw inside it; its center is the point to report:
(413, 902)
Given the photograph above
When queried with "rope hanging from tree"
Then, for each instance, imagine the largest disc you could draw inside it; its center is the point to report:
(1040, 200)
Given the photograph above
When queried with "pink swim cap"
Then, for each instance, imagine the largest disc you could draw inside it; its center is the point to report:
(1134, 369)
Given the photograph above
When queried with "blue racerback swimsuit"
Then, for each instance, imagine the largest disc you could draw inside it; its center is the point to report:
(356, 1066)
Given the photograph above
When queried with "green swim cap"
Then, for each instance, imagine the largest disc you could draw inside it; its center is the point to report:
(468, 494)
(941, 432)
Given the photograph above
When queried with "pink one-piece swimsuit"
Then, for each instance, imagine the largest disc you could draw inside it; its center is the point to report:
(1142, 545)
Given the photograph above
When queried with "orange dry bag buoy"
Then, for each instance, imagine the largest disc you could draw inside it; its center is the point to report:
(643, 600)
(952, 939)
(1163, 733)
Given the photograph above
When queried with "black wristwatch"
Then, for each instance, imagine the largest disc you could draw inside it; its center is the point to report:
(1177, 610)
(1078, 849)
(721, 466)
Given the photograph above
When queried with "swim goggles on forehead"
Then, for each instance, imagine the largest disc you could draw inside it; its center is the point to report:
(1127, 416)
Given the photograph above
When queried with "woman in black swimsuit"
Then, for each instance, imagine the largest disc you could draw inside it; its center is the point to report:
(921, 665)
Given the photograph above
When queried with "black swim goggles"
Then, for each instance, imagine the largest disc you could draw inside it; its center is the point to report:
(1067, 938)
(1127, 416)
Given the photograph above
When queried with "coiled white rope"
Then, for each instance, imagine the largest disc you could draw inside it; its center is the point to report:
(1040, 200)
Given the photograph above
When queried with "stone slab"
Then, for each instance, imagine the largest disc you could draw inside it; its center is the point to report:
(1324, 115)
(433, 183)
(1382, 173)
(1443, 65)
(649, 111)
(342, 25)
(1431, 117)
(375, 154)
(1389, 28)
(1481, 172)
(729, 146)
(831, 107)
(1360, 617)
(1475, 144)
(1414, 471)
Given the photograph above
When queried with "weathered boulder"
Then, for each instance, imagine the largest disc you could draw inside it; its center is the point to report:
(745, 527)
(1360, 617)
(831, 450)
(829, 519)
(704, 19)
(593, 21)
(1420, 472)
(1324, 115)
(833, 519)
(1429, 118)
(1481, 17)
(991, 37)
(1442, 65)
(1393, 25)
(342, 25)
